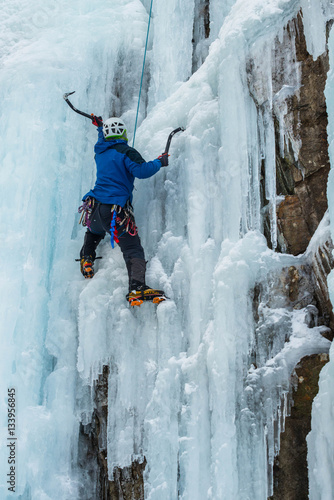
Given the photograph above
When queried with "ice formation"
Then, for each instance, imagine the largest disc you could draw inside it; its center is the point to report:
(183, 388)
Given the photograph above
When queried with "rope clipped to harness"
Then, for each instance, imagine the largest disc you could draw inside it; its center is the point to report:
(113, 230)
(122, 221)
(86, 210)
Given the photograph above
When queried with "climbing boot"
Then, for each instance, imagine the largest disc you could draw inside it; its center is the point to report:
(144, 293)
(86, 267)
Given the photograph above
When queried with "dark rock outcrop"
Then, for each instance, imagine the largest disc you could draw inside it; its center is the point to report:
(304, 181)
(290, 469)
(127, 482)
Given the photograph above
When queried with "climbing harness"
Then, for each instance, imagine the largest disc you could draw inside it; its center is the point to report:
(142, 73)
(122, 219)
(86, 210)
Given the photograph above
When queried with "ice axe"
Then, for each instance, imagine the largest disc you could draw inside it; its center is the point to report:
(65, 96)
(91, 117)
(170, 137)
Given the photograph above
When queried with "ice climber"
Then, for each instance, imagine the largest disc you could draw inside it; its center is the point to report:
(107, 207)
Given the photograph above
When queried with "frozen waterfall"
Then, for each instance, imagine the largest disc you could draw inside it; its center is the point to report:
(184, 390)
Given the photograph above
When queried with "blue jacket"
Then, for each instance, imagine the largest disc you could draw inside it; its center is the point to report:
(117, 165)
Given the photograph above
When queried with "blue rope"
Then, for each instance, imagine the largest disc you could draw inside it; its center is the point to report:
(112, 228)
(142, 73)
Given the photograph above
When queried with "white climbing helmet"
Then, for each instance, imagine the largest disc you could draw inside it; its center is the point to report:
(114, 128)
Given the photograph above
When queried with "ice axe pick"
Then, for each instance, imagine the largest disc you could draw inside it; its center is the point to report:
(65, 96)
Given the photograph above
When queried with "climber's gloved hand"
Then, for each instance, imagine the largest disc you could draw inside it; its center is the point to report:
(164, 159)
(97, 120)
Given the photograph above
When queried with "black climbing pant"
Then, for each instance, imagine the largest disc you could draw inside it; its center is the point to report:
(133, 252)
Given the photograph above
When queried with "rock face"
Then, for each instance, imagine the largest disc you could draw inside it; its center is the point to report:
(303, 181)
(302, 168)
(127, 483)
(290, 470)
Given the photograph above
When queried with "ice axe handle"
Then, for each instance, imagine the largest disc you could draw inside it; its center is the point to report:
(169, 140)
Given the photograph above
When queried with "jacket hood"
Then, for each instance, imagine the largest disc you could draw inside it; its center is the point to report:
(101, 147)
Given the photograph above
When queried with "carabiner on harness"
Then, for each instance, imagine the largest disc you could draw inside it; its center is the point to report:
(131, 227)
(122, 221)
(86, 210)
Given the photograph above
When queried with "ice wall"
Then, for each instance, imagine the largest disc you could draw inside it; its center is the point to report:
(183, 388)
(46, 162)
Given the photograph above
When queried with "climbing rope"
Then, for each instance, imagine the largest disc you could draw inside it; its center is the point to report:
(142, 74)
